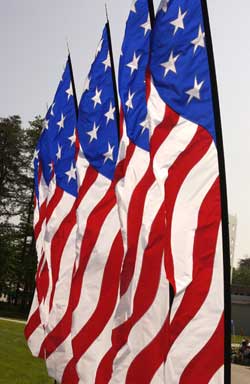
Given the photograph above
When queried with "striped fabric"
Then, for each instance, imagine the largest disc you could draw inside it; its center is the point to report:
(57, 151)
(187, 168)
(144, 294)
(87, 322)
(130, 280)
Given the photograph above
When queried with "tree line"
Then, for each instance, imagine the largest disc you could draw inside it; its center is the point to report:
(17, 246)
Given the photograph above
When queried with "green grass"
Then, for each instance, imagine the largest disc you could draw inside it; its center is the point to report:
(17, 365)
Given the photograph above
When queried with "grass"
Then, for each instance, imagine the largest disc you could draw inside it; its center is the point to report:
(17, 365)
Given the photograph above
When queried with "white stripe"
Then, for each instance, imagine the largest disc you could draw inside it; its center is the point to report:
(95, 193)
(136, 169)
(57, 361)
(218, 378)
(175, 143)
(156, 109)
(185, 215)
(201, 328)
(93, 274)
(60, 212)
(88, 364)
(143, 332)
(158, 377)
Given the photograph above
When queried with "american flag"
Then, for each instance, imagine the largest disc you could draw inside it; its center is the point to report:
(57, 151)
(87, 322)
(143, 304)
(187, 168)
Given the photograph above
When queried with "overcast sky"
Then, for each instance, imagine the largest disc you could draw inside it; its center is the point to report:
(33, 52)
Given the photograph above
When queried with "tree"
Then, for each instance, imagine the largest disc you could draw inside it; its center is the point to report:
(241, 275)
(17, 245)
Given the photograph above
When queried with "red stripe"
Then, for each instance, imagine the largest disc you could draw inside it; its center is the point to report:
(134, 222)
(42, 282)
(58, 244)
(89, 179)
(33, 322)
(70, 375)
(54, 202)
(123, 164)
(210, 359)
(138, 198)
(42, 215)
(147, 289)
(106, 304)
(148, 361)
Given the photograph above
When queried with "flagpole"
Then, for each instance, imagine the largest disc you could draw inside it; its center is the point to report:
(151, 12)
(224, 205)
(73, 81)
(113, 71)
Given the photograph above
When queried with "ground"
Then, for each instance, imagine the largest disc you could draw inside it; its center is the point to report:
(240, 374)
(17, 366)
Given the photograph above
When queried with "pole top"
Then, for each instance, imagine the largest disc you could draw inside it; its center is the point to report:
(106, 10)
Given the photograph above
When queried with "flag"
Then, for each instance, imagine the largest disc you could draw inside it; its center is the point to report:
(87, 323)
(34, 331)
(143, 305)
(188, 169)
(58, 153)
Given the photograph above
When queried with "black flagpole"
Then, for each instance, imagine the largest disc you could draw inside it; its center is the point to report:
(224, 207)
(73, 81)
(151, 12)
(113, 73)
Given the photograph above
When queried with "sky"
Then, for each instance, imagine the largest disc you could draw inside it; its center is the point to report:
(33, 36)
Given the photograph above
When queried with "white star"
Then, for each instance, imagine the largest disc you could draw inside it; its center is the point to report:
(46, 124)
(178, 23)
(110, 114)
(73, 138)
(61, 122)
(36, 153)
(93, 133)
(194, 92)
(97, 97)
(134, 63)
(129, 102)
(109, 154)
(145, 124)
(71, 173)
(52, 109)
(86, 84)
(199, 41)
(170, 64)
(133, 9)
(164, 5)
(99, 48)
(51, 167)
(146, 26)
(106, 62)
(69, 91)
(59, 152)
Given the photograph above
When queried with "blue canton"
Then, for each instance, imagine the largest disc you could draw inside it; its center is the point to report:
(56, 145)
(97, 121)
(179, 63)
(132, 71)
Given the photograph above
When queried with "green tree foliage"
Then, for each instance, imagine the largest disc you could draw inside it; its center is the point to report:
(17, 246)
(241, 275)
